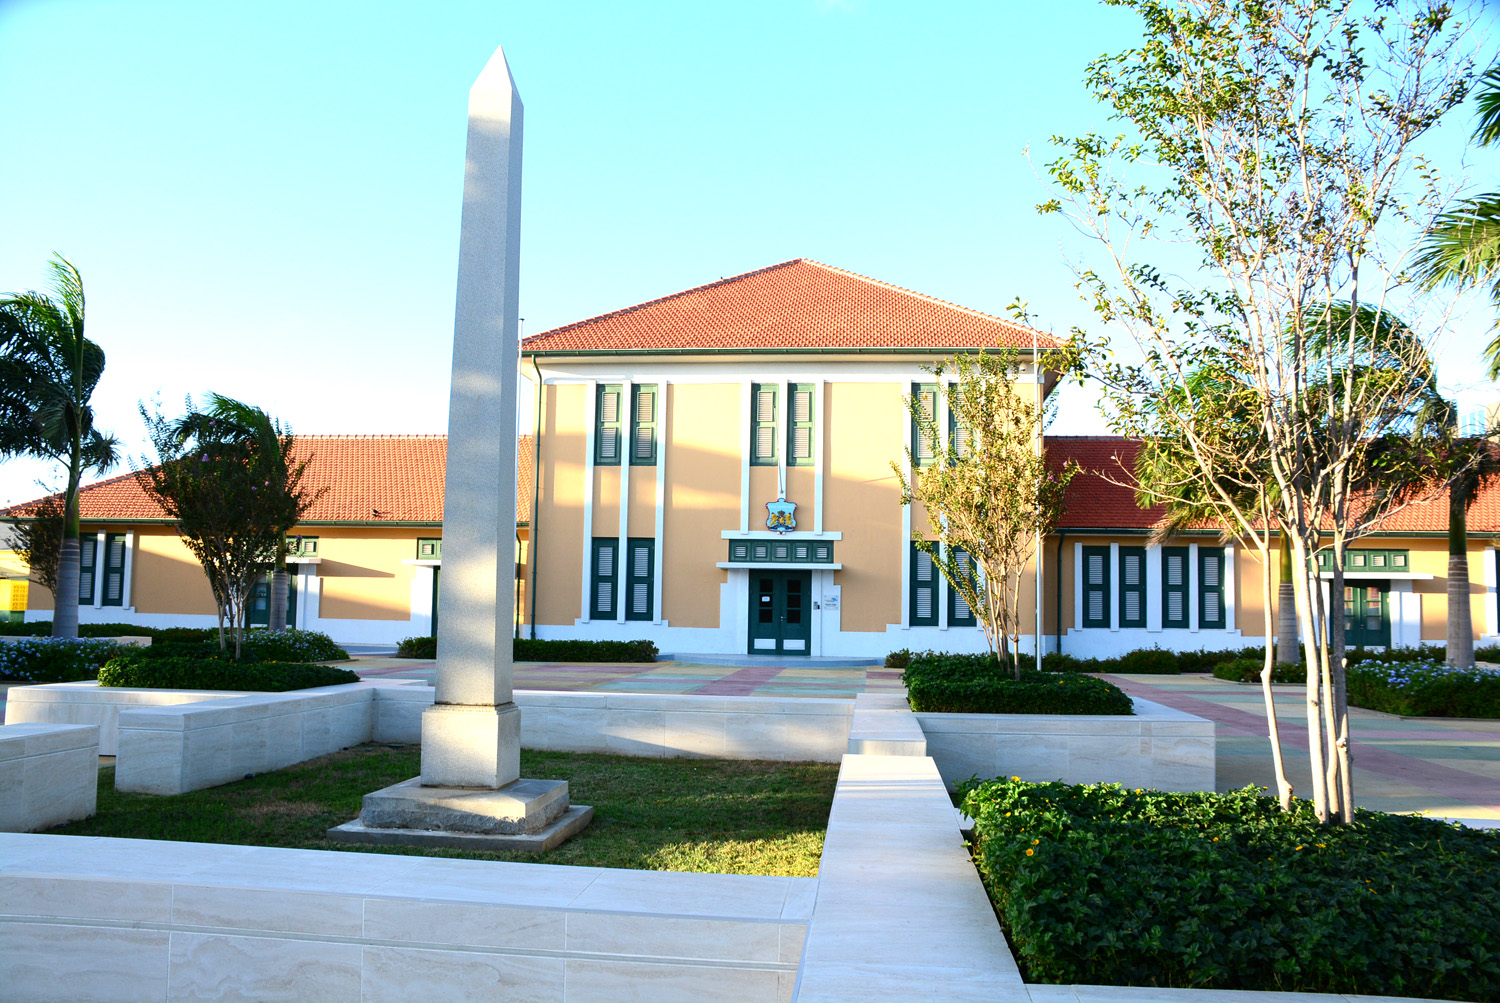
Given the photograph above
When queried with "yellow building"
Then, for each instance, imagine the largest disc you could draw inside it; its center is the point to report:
(714, 467)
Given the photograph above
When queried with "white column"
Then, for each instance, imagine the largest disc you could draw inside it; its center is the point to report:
(622, 563)
(101, 568)
(1192, 595)
(818, 460)
(1077, 585)
(1113, 615)
(1229, 587)
(1153, 589)
(661, 495)
(590, 443)
(471, 735)
(1491, 607)
(125, 600)
(746, 393)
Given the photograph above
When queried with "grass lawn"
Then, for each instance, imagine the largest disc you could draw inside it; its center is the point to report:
(720, 816)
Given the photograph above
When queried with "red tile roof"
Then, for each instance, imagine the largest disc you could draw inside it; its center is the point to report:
(796, 305)
(1095, 500)
(371, 479)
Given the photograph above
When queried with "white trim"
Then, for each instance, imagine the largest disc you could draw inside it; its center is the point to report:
(1193, 598)
(783, 566)
(767, 534)
(819, 461)
(1366, 576)
(1491, 606)
(127, 572)
(661, 496)
(421, 562)
(1229, 591)
(590, 420)
(627, 412)
(783, 427)
(905, 550)
(101, 568)
(1114, 587)
(1077, 585)
(746, 395)
(1153, 594)
(304, 560)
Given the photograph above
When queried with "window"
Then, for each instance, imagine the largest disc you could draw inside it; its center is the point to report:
(640, 578)
(924, 589)
(1174, 587)
(763, 424)
(608, 422)
(602, 605)
(1096, 586)
(925, 397)
(307, 546)
(1132, 586)
(959, 613)
(114, 570)
(88, 554)
(1211, 588)
(643, 426)
(799, 432)
(430, 548)
(1366, 559)
(958, 434)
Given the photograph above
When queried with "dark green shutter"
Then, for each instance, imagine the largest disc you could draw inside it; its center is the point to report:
(609, 425)
(925, 397)
(1174, 587)
(958, 434)
(924, 589)
(643, 426)
(1132, 586)
(959, 613)
(602, 603)
(1211, 588)
(88, 548)
(763, 424)
(799, 425)
(1096, 586)
(114, 570)
(640, 574)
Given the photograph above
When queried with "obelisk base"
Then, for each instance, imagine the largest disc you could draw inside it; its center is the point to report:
(465, 745)
(523, 815)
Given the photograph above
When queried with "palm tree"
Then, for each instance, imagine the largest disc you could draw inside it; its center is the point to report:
(48, 372)
(1463, 246)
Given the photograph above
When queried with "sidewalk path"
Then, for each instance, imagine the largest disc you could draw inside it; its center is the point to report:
(1438, 766)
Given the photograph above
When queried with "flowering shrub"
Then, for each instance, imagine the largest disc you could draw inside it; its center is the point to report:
(1425, 689)
(1098, 884)
(264, 645)
(54, 660)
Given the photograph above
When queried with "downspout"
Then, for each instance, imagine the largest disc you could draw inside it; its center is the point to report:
(1062, 535)
(536, 486)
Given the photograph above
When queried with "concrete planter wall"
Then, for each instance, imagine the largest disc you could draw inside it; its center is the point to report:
(1156, 747)
(49, 774)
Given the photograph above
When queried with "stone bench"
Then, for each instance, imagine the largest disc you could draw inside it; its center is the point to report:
(883, 725)
(49, 774)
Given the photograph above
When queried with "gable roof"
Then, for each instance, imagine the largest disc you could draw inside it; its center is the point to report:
(371, 480)
(1094, 502)
(798, 305)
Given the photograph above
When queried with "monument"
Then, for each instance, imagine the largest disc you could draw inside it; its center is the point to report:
(470, 793)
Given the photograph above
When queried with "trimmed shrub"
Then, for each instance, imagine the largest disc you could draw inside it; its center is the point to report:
(527, 650)
(976, 684)
(182, 649)
(1247, 670)
(1204, 659)
(1098, 884)
(54, 660)
(264, 645)
(1424, 689)
(898, 659)
(176, 634)
(417, 647)
(1147, 660)
(214, 674)
(25, 628)
(1488, 653)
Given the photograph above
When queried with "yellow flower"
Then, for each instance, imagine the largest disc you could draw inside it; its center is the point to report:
(1034, 842)
(1321, 846)
(1029, 851)
(1299, 847)
(1216, 839)
(1015, 778)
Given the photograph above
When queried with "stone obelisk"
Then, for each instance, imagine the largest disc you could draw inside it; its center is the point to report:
(470, 792)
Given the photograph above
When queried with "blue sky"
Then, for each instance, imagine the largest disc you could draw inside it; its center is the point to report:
(263, 197)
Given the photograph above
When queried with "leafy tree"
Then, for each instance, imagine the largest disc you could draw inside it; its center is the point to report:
(1272, 142)
(38, 538)
(990, 492)
(48, 372)
(233, 494)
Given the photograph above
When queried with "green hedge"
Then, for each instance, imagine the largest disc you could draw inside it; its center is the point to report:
(417, 647)
(214, 674)
(1247, 670)
(1424, 689)
(976, 684)
(54, 660)
(527, 650)
(1101, 885)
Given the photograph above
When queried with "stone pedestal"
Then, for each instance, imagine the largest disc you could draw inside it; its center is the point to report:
(523, 815)
(471, 746)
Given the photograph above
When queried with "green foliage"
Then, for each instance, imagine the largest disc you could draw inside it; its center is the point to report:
(898, 659)
(1101, 885)
(41, 628)
(1148, 660)
(54, 660)
(527, 650)
(1425, 689)
(216, 674)
(1247, 670)
(1488, 653)
(263, 645)
(977, 684)
(38, 540)
(417, 647)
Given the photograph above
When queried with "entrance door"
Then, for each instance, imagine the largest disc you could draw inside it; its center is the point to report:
(780, 604)
(1367, 616)
(259, 612)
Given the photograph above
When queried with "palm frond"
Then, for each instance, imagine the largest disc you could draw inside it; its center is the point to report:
(1463, 246)
(1488, 100)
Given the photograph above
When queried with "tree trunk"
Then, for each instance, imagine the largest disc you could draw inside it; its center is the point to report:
(277, 614)
(1335, 701)
(1306, 584)
(65, 601)
(1273, 730)
(1286, 608)
(1460, 615)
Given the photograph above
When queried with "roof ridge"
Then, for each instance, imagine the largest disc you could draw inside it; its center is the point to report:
(662, 299)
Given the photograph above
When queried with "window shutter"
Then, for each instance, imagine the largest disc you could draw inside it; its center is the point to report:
(958, 434)
(643, 426)
(608, 425)
(640, 582)
(959, 613)
(1096, 586)
(1174, 587)
(1132, 586)
(799, 452)
(604, 578)
(925, 397)
(763, 424)
(114, 569)
(88, 547)
(923, 589)
(1211, 588)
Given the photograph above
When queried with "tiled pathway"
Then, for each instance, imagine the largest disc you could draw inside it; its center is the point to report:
(1447, 767)
(668, 677)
